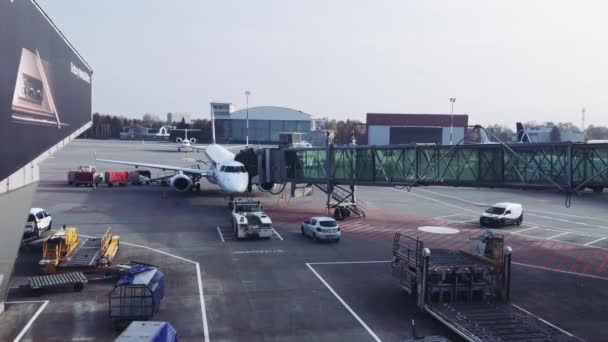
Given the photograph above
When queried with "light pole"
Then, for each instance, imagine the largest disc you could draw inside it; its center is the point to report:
(452, 100)
(247, 93)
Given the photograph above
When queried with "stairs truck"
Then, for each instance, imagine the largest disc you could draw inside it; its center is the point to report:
(249, 220)
(468, 290)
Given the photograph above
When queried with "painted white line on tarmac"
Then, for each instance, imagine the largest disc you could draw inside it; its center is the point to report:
(31, 321)
(220, 232)
(198, 276)
(572, 222)
(594, 241)
(436, 200)
(347, 262)
(537, 224)
(454, 197)
(352, 312)
(547, 323)
(523, 230)
(444, 216)
(559, 271)
(563, 229)
(558, 235)
(532, 210)
(277, 234)
(25, 301)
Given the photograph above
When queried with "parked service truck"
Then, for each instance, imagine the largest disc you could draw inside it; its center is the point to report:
(249, 220)
(468, 290)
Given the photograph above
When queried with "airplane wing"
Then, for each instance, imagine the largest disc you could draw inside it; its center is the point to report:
(187, 170)
(197, 147)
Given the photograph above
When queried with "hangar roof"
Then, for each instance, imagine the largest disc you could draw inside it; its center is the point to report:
(270, 113)
(438, 120)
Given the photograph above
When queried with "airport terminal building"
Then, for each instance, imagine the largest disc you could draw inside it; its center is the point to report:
(47, 85)
(266, 123)
(395, 129)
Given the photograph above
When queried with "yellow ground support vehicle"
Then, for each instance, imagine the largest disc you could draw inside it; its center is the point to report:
(66, 251)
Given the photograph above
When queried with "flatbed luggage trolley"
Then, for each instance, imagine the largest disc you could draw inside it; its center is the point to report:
(74, 280)
(136, 296)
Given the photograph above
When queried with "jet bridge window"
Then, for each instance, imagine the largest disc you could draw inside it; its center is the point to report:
(234, 169)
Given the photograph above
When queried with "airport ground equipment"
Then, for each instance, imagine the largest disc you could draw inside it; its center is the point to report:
(136, 296)
(468, 290)
(120, 270)
(148, 331)
(73, 280)
(66, 251)
(120, 178)
(248, 219)
(139, 177)
(85, 175)
(565, 166)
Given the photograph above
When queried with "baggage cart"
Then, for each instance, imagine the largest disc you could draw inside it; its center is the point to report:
(150, 331)
(136, 296)
(73, 280)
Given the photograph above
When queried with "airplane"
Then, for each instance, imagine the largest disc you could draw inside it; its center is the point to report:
(185, 144)
(522, 135)
(229, 175)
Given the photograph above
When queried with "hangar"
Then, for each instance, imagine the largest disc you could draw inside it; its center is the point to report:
(394, 129)
(266, 123)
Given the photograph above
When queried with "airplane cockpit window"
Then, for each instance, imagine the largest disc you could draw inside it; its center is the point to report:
(234, 169)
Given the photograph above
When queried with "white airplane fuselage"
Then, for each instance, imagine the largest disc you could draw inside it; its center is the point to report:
(230, 175)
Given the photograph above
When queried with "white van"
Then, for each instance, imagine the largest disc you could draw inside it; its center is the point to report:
(501, 214)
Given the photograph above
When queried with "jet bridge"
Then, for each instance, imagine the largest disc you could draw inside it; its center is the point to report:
(566, 166)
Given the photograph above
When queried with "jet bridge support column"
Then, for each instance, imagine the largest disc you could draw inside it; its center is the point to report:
(329, 172)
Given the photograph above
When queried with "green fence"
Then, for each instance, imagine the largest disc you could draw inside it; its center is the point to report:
(532, 165)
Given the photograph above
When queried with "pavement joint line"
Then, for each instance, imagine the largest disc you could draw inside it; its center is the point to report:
(559, 271)
(198, 275)
(594, 241)
(31, 321)
(277, 233)
(546, 322)
(558, 235)
(220, 233)
(352, 312)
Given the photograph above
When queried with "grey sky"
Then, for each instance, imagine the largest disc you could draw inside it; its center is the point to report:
(507, 61)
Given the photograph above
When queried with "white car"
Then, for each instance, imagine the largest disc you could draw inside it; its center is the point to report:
(501, 214)
(37, 221)
(305, 144)
(321, 228)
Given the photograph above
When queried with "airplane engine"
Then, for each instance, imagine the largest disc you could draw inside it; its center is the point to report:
(267, 186)
(192, 141)
(179, 140)
(181, 183)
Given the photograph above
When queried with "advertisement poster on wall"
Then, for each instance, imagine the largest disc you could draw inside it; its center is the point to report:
(45, 85)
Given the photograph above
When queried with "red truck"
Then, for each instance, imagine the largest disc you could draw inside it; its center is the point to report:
(84, 175)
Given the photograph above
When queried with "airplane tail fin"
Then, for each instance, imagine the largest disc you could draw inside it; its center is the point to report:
(522, 135)
(484, 137)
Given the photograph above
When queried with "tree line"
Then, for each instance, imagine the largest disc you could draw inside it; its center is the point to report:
(109, 127)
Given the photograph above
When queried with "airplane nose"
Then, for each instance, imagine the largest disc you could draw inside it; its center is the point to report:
(236, 185)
